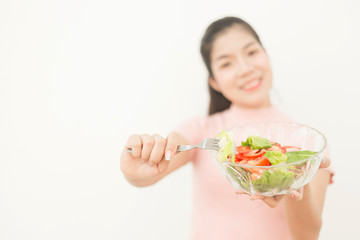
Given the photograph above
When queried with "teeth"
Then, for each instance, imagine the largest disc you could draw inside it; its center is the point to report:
(252, 84)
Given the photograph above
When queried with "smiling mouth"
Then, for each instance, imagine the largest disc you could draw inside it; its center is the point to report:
(252, 85)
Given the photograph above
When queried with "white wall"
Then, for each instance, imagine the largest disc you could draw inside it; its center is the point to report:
(78, 77)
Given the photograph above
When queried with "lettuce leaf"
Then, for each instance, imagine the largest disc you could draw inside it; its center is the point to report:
(280, 178)
(275, 157)
(256, 142)
(239, 176)
(227, 147)
(294, 156)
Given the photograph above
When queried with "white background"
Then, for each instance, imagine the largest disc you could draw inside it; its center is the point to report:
(78, 77)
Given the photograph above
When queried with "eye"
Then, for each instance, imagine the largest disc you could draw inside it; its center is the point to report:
(253, 52)
(225, 65)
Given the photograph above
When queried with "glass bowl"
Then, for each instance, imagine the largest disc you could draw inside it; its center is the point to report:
(276, 179)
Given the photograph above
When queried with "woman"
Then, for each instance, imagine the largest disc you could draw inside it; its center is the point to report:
(240, 79)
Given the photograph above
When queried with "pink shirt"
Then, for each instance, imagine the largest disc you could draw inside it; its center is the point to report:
(219, 213)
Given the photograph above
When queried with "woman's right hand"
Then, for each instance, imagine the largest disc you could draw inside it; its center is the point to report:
(149, 158)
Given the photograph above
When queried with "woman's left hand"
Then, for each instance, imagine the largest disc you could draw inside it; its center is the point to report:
(273, 201)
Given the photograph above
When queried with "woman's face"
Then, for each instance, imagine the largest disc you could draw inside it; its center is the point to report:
(241, 68)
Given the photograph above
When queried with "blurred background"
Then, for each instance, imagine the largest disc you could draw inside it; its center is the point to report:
(77, 78)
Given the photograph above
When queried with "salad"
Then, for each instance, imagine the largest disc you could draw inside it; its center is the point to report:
(258, 151)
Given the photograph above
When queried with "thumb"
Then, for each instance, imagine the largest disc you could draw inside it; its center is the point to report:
(296, 195)
(171, 146)
(325, 163)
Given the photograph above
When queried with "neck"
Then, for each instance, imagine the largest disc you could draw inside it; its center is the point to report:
(263, 104)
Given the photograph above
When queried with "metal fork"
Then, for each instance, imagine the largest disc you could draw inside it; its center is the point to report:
(208, 143)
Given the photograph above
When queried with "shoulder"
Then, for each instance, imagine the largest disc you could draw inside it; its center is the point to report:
(199, 127)
(203, 121)
(194, 124)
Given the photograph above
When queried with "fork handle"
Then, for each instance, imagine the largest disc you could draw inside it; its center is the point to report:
(180, 148)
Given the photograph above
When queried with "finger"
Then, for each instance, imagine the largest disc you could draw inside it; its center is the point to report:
(325, 163)
(240, 192)
(171, 146)
(147, 146)
(296, 195)
(273, 201)
(158, 150)
(256, 197)
(134, 142)
(163, 165)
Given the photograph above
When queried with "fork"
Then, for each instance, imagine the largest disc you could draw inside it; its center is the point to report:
(208, 143)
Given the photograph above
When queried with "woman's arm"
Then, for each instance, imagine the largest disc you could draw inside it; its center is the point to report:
(146, 164)
(304, 216)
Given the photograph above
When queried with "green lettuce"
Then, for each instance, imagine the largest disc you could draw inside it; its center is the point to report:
(239, 176)
(294, 156)
(275, 157)
(256, 142)
(280, 178)
(227, 147)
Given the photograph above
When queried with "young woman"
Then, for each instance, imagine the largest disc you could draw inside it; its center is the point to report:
(240, 79)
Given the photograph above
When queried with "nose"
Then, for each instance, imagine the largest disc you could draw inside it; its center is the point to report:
(243, 67)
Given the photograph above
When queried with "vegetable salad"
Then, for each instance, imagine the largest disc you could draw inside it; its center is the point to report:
(259, 151)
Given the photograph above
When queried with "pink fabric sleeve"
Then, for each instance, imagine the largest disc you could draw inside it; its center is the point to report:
(192, 129)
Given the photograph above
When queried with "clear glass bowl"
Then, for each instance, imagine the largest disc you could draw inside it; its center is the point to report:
(277, 179)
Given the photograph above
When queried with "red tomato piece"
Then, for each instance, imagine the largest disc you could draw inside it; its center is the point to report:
(242, 149)
(260, 161)
(244, 162)
(255, 153)
(255, 176)
(238, 157)
(292, 147)
(278, 148)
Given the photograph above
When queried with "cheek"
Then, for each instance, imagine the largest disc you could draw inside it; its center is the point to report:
(223, 78)
(268, 72)
(263, 62)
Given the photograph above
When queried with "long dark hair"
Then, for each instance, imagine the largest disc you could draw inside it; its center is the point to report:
(218, 102)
